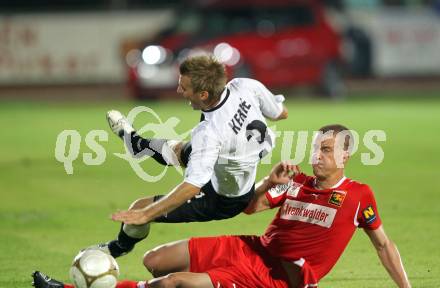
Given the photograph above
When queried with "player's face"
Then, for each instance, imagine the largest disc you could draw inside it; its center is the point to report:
(186, 90)
(327, 159)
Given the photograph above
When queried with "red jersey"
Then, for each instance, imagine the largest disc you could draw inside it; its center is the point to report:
(315, 226)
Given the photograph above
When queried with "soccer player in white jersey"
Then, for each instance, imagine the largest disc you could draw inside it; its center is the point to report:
(221, 158)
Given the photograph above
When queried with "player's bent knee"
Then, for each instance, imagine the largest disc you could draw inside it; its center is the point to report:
(152, 261)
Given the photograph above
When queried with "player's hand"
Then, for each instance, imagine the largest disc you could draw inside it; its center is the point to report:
(282, 172)
(135, 217)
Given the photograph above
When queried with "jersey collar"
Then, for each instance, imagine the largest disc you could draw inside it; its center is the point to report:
(339, 183)
(314, 190)
(223, 98)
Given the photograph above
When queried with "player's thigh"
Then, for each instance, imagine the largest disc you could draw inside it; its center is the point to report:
(142, 202)
(168, 258)
(200, 208)
(182, 280)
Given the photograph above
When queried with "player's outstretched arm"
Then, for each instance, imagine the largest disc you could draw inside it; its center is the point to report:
(389, 256)
(279, 175)
(171, 201)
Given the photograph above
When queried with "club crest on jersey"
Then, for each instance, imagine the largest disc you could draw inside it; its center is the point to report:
(369, 215)
(337, 197)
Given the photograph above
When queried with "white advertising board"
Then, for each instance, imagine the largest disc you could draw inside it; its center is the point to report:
(405, 42)
(70, 48)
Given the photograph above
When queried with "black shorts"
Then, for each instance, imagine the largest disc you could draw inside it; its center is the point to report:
(207, 206)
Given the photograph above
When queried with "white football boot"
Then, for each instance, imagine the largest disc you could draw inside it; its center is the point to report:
(118, 123)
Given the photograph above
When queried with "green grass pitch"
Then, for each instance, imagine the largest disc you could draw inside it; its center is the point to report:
(46, 216)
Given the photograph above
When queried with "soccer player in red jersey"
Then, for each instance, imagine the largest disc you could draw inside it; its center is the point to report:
(317, 217)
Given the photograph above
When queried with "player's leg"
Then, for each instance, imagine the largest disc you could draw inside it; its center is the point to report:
(206, 206)
(182, 280)
(198, 209)
(129, 235)
(168, 258)
(185, 263)
(165, 152)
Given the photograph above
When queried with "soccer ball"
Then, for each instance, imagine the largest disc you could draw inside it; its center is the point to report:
(94, 268)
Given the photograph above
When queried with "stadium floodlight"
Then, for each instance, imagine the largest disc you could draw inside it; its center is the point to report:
(226, 54)
(154, 55)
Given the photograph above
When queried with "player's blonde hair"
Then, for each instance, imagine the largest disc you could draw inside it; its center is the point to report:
(206, 74)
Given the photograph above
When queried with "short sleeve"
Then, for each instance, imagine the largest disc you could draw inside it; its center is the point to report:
(205, 150)
(277, 195)
(270, 105)
(368, 216)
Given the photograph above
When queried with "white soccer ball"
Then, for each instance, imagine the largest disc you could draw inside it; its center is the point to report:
(94, 269)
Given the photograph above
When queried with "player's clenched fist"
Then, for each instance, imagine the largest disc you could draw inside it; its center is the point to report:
(282, 172)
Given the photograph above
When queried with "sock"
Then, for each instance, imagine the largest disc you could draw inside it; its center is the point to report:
(123, 244)
(158, 149)
(137, 231)
(131, 284)
(122, 284)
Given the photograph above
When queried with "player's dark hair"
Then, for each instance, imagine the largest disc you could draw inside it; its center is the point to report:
(206, 74)
(337, 128)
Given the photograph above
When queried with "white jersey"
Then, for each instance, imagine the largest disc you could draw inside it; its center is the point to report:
(228, 144)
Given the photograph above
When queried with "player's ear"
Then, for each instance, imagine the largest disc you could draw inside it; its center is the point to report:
(204, 95)
(345, 156)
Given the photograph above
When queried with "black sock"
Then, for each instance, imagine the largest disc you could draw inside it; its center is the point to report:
(116, 250)
(151, 147)
(123, 244)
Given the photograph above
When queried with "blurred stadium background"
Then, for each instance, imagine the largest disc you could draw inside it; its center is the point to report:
(64, 63)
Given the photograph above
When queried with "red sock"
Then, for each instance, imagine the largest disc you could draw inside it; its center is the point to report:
(128, 284)
(121, 284)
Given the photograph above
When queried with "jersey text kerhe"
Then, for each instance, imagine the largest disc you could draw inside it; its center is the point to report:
(237, 121)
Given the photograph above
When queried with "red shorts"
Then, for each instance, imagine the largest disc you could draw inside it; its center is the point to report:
(235, 262)
(241, 261)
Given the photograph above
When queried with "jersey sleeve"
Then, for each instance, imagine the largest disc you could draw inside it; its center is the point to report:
(277, 195)
(205, 150)
(270, 105)
(368, 216)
